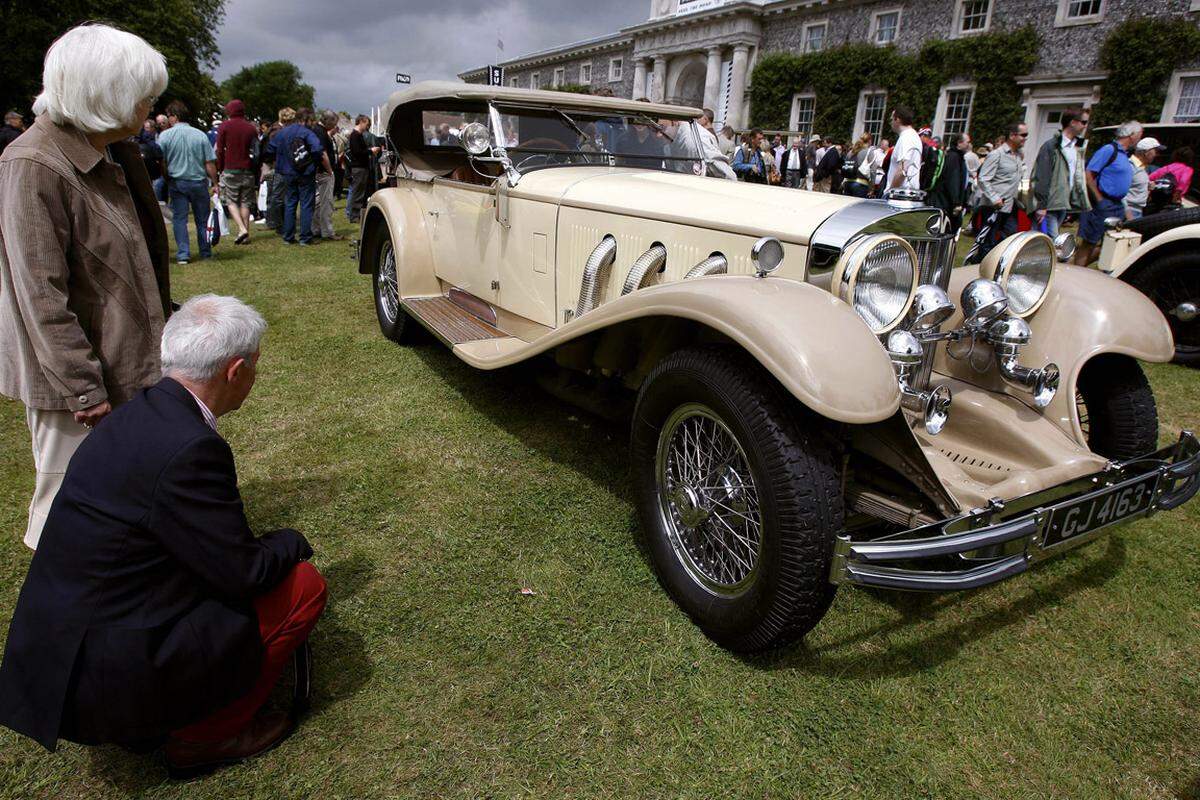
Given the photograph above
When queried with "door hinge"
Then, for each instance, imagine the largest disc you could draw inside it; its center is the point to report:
(495, 286)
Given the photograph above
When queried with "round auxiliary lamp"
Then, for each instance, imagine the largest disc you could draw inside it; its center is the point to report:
(877, 276)
(1023, 265)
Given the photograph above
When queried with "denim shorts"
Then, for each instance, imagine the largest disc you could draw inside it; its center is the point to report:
(1091, 223)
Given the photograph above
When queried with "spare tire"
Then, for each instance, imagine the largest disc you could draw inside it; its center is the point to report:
(1153, 225)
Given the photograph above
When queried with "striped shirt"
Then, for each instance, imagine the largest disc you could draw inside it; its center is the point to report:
(209, 419)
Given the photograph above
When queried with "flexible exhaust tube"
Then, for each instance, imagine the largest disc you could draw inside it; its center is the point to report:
(715, 264)
(599, 261)
(652, 259)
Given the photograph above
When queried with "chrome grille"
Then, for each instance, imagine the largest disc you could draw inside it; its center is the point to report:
(935, 259)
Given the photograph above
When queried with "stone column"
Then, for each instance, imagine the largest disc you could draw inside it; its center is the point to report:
(737, 86)
(639, 79)
(712, 78)
(658, 89)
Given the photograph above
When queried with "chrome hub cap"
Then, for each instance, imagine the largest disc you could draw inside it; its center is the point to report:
(708, 500)
(389, 292)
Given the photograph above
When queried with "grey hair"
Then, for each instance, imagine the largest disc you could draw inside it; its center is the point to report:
(329, 119)
(206, 333)
(1128, 128)
(95, 76)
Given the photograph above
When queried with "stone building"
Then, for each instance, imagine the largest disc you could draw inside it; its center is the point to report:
(702, 52)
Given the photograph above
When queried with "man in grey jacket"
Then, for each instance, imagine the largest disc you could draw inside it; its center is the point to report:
(1058, 181)
(999, 183)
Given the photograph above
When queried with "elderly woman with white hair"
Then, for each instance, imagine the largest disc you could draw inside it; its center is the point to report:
(84, 289)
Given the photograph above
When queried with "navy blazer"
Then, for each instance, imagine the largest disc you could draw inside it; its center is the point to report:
(137, 614)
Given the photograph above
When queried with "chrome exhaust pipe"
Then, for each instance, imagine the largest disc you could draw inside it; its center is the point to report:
(1007, 336)
(715, 264)
(652, 259)
(597, 264)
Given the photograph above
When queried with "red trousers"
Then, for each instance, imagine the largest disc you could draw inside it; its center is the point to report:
(286, 615)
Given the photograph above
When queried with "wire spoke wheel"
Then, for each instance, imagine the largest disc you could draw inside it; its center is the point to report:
(709, 500)
(1082, 410)
(389, 291)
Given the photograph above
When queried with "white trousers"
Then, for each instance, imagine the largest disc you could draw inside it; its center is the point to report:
(56, 436)
(323, 222)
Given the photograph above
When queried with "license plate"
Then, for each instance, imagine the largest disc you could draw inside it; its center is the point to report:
(1099, 510)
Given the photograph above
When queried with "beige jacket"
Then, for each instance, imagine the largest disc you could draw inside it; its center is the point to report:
(84, 282)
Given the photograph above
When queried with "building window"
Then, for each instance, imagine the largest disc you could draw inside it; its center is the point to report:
(560, 76)
(615, 69)
(814, 36)
(1183, 98)
(885, 26)
(535, 80)
(872, 107)
(974, 16)
(514, 82)
(585, 74)
(954, 110)
(804, 108)
(1079, 12)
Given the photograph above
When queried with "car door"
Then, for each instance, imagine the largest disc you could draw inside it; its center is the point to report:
(508, 264)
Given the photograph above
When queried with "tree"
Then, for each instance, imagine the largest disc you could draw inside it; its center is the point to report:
(267, 87)
(184, 31)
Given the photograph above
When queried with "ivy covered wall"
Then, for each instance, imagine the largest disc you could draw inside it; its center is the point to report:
(1139, 56)
(836, 76)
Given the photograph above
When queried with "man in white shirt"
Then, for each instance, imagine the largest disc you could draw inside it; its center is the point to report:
(904, 170)
(717, 161)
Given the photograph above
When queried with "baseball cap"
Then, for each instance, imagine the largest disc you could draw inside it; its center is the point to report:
(926, 132)
(1149, 143)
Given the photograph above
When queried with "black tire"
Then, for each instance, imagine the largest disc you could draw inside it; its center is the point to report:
(1118, 413)
(793, 460)
(394, 323)
(1153, 225)
(1168, 281)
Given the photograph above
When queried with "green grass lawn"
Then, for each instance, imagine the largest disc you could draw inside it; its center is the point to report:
(433, 494)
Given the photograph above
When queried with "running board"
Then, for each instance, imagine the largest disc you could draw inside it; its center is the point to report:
(448, 321)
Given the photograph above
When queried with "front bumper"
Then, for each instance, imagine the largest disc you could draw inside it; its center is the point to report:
(1006, 538)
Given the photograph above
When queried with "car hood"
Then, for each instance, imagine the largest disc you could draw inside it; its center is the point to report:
(789, 214)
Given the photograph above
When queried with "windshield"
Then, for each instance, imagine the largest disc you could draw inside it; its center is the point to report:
(548, 137)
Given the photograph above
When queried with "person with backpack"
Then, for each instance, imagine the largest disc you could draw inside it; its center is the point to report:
(1109, 176)
(999, 182)
(857, 167)
(297, 152)
(191, 165)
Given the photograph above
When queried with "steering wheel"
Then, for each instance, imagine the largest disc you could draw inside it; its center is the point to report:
(544, 142)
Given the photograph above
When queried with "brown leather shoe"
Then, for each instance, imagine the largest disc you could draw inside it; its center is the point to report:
(189, 759)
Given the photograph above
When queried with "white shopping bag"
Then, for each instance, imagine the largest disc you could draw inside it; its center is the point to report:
(262, 196)
(218, 225)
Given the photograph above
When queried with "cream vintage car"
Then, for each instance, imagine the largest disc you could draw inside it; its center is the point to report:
(809, 409)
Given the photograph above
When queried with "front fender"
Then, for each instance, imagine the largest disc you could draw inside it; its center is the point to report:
(1167, 240)
(813, 343)
(1085, 314)
(398, 211)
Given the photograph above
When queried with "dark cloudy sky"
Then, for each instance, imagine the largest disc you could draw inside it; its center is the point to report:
(351, 50)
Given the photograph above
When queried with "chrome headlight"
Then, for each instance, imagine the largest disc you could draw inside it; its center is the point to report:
(767, 255)
(1023, 265)
(877, 275)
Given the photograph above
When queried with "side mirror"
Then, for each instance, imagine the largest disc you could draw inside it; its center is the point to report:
(476, 138)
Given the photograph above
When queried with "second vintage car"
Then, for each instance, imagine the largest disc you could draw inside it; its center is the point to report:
(809, 407)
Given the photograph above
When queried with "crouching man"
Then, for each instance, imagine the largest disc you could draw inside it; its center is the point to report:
(150, 612)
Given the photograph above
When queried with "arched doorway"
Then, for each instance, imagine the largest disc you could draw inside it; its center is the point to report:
(685, 80)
